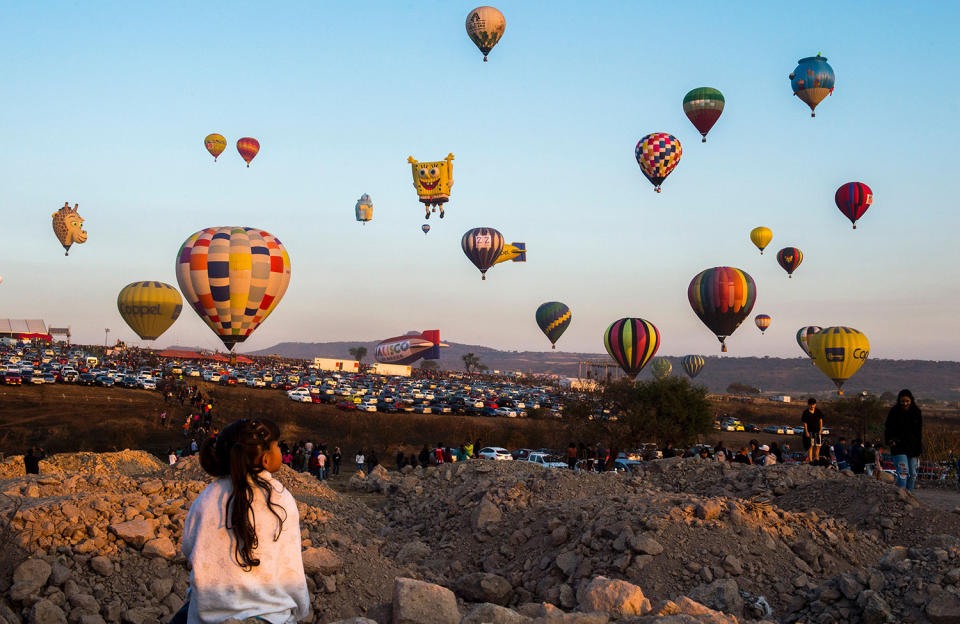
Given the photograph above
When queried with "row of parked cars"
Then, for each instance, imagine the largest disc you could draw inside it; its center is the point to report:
(736, 425)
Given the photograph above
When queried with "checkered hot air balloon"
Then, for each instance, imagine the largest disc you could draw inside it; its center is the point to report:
(631, 342)
(233, 277)
(853, 199)
(658, 155)
(482, 246)
(553, 318)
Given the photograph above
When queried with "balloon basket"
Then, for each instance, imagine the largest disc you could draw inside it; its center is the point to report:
(483, 277)
(704, 140)
(553, 346)
(657, 189)
(854, 226)
(484, 59)
(789, 277)
(813, 114)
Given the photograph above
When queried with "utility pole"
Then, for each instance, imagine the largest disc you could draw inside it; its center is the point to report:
(106, 334)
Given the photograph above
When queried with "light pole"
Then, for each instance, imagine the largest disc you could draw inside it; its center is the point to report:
(106, 334)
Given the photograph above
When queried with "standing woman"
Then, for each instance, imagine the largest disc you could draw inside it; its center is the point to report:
(904, 433)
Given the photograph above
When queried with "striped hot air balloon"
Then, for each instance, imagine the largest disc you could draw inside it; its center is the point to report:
(658, 154)
(553, 318)
(853, 199)
(839, 352)
(631, 342)
(248, 148)
(762, 321)
(661, 368)
(233, 277)
(149, 308)
(482, 246)
(803, 337)
(789, 258)
(722, 297)
(692, 364)
(703, 106)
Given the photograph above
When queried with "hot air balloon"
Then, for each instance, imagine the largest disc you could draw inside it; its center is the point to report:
(425, 227)
(703, 106)
(433, 181)
(1, 279)
(812, 80)
(234, 277)
(722, 297)
(658, 155)
(853, 199)
(553, 318)
(483, 246)
(68, 227)
(215, 144)
(762, 321)
(692, 364)
(485, 26)
(803, 337)
(661, 368)
(790, 258)
(839, 352)
(761, 237)
(631, 342)
(248, 148)
(149, 308)
(364, 208)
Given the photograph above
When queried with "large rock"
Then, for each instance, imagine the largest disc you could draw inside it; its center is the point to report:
(28, 578)
(567, 561)
(102, 565)
(413, 552)
(416, 602)
(645, 545)
(875, 609)
(573, 618)
(708, 509)
(321, 561)
(136, 533)
(944, 609)
(487, 613)
(722, 595)
(161, 547)
(45, 612)
(614, 597)
(485, 514)
(484, 587)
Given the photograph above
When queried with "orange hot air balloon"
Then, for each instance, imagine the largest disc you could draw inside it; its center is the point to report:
(248, 148)
(215, 144)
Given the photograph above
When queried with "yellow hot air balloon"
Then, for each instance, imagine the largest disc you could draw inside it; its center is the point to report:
(215, 144)
(838, 352)
(761, 237)
(149, 308)
(485, 26)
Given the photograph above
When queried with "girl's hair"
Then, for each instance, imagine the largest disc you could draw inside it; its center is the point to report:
(906, 393)
(236, 452)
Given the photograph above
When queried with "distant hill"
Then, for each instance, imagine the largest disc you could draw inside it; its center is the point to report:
(796, 377)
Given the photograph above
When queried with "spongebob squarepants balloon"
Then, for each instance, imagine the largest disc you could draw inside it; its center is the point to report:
(433, 181)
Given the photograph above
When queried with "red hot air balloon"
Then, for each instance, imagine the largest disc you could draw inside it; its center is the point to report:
(790, 258)
(722, 297)
(248, 148)
(853, 199)
(631, 342)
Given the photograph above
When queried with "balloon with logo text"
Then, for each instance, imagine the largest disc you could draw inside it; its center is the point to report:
(839, 352)
(149, 308)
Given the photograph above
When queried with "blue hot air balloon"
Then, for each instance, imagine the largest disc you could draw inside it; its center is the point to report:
(812, 81)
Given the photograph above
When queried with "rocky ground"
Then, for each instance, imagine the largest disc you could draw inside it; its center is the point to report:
(95, 538)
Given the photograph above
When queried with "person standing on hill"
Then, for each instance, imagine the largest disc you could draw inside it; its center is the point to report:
(904, 433)
(424, 457)
(337, 457)
(572, 456)
(361, 460)
(31, 461)
(812, 419)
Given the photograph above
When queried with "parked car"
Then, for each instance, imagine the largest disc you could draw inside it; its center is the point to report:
(777, 429)
(545, 460)
(12, 378)
(495, 452)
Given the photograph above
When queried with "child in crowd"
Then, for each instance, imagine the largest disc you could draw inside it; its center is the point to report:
(242, 534)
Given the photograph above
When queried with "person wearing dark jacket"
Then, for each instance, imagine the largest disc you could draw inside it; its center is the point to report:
(904, 433)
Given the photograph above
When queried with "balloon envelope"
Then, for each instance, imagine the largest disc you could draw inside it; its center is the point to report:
(425, 227)
(661, 367)
(761, 237)
(839, 352)
(703, 106)
(68, 227)
(149, 308)
(631, 342)
(692, 364)
(215, 144)
(762, 321)
(233, 277)
(248, 148)
(722, 297)
(853, 199)
(553, 318)
(485, 26)
(482, 246)
(803, 337)
(789, 258)
(658, 154)
(364, 208)
(812, 80)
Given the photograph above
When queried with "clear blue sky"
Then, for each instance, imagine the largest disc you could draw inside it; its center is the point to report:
(106, 104)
